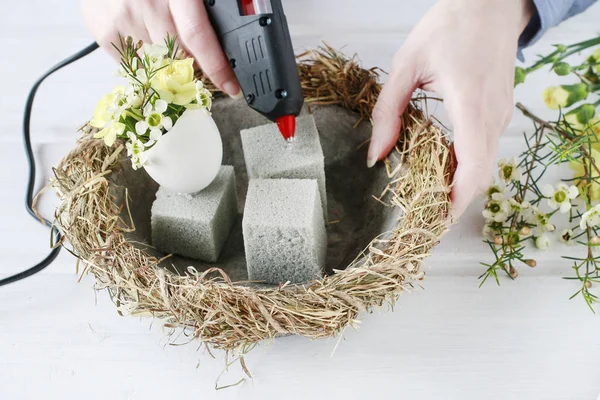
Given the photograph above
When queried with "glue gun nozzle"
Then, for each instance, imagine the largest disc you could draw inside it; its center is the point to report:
(287, 127)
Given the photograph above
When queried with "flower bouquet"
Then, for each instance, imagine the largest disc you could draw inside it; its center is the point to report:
(161, 90)
(520, 209)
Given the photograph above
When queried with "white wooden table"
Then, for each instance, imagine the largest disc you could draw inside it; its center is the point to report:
(58, 339)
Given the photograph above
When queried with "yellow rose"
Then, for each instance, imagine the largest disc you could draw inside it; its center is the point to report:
(110, 133)
(555, 97)
(565, 96)
(578, 170)
(175, 81)
(101, 114)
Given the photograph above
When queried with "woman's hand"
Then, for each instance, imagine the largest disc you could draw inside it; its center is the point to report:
(151, 20)
(465, 51)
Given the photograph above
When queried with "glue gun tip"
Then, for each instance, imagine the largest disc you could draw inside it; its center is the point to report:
(287, 126)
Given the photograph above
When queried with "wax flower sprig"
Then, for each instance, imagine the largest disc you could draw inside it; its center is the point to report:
(161, 86)
(521, 212)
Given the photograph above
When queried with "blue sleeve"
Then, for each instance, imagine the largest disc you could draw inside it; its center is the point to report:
(550, 13)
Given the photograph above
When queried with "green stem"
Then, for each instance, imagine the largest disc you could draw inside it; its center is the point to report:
(557, 55)
(585, 44)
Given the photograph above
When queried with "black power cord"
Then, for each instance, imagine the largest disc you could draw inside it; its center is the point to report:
(55, 234)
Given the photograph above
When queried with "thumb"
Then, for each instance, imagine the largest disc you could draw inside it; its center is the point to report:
(387, 113)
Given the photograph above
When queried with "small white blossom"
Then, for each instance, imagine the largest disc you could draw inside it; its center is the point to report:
(495, 188)
(141, 76)
(203, 96)
(497, 208)
(490, 227)
(508, 170)
(136, 150)
(154, 120)
(124, 73)
(155, 53)
(124, 99)
(542, 242)
(590, 218)
(566, 236)
(133, 98)
(519, 207)
(561, 196)
(540, 221)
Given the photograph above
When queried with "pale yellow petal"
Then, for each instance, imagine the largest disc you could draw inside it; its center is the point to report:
(184, 98)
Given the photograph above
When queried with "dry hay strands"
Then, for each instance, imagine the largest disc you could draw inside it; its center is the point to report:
(207, 305)
(229, 316)
(329, 77)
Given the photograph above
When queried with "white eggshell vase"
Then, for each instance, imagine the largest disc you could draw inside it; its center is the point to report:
(187, 158)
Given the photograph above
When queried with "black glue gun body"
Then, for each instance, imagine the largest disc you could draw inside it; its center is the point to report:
(255, 38)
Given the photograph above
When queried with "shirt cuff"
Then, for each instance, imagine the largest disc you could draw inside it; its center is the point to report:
(548, 13)
(533, 31)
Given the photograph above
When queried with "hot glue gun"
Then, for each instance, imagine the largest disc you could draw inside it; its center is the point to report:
(255, 38)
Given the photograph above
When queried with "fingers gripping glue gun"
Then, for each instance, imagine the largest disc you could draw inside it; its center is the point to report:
(255, 38)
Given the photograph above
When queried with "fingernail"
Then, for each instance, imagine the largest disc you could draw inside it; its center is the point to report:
(373, 154)
(233, 90)
(371, 161)
(454, 213)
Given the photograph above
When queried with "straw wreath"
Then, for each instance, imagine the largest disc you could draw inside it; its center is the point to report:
(226, 315)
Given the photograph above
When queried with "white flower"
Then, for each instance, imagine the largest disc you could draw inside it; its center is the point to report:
(541, 222)
(136, 150)
(155, 53)
(125, 73)
(590, 218)
(491, 226)
(141, 76)
(133, 98)
(495, 188)
(566, 236)
(203, 96)
(542, 242)
(154, 120)
(124, 99)
(519, 207)
(561, 196)
(497, 208)
(508, 170)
